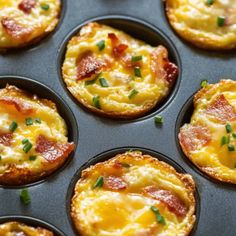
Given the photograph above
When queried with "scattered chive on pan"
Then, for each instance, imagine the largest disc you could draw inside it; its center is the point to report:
(13, 126)
(209, 2)
(103, 82)
(137, 71)
(204, 83)
(29, 121)
(133, 93)
(228, 128)
(221, 21)
(99, 183)
(27, 147)
(45, 7)
(159, 120)
(24, 196)
(101, 45)
(159, 217)
(96, 102)
(136, 58)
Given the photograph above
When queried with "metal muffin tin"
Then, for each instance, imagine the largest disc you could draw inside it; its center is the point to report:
(95, 135)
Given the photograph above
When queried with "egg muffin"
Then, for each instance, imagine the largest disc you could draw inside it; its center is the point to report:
(209, 24)
(23, 22)
(209, 139)
(114, 74)
(33, 137)
(133, 194)
(19, 229)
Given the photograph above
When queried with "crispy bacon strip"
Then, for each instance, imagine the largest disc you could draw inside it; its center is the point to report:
(192, 137)
(20, 106)
(171, 72)
(6, 138)
(88, 65)
(173, 203)
(114, 183)
(221, 110)
(14, 29)
(51, 150)
(118, 48)
(27, 5)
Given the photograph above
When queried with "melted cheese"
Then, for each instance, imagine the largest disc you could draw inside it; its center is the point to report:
(121, 80)
(103, 212)
(38, 21)
(215, 158)
(197, 22)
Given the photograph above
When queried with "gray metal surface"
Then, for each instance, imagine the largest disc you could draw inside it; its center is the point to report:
(97, 134)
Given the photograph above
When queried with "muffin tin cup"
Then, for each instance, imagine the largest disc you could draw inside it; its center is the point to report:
(138, 29)
(65, 112)
(30, 221)
(104, 156)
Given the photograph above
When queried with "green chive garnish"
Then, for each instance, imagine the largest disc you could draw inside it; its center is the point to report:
(37, 120)
(13, 126)
(99, 182)
(96, 102)
(204, 83)
(228, 128)
(0, 158)
(220, 21)
(137, 71)
(159, 217)
(225, 140)
(159, 120)
(32, 158)
(209, 2)
(136, 58)
(28, 121)
(101, 45)
(126, 165)
(234, 135)
(103, 82)
(45, 7)
(231, 148)
(27, 147)
(133, 93)
(25, 140)
(89, 82)
(24, 196)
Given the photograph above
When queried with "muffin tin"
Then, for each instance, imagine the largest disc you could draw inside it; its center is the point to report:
(94, 134)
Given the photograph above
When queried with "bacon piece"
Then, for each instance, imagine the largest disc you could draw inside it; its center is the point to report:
(27, 5)
(118, 48)
(171, 72)
(192, 137)
(51, 150)
(173, 203)
(88, 65)
(114, 183)
(221, 110)
(13, 28)
(20, 106)
(6, 138)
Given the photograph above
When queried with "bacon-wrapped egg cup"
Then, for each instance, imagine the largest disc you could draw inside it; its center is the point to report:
(23, 22)
(15, 228)
(133, 194)
(209, 140)
(33, 137)
(113, 74)
(209, 24)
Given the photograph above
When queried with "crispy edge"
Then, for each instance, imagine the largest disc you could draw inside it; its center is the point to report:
(130, 157)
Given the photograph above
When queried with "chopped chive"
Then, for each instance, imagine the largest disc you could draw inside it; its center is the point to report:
(235, 165)
(228, 128)
(137, 71)
(101, 45)
(0, 158)
(24, 196)
(126, 165)
(204, 83)
(13, 126)
(220, 21)
(225, 140)
(45, 7)
(209, 2)
(99, 182)
(234, 135)
(159, 120)
(96, 102)
(159, 217)
(131, 150)
(89, 82)
(27, 147)
(24, 141)
(37, 120)
(28, 121)
(231, 148)
(103, 82)
(32, 158)
(133, 93)
(136, 58)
